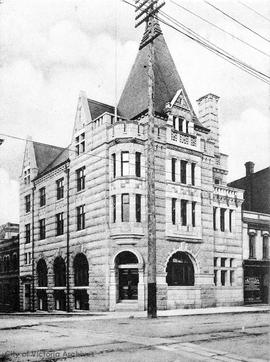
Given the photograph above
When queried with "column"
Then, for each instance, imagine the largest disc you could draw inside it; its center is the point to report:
(140, 288)
(112, 290)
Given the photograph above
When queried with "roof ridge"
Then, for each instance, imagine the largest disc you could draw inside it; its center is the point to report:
(104, 104)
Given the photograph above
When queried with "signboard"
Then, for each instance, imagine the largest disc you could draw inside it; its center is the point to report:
(252, 288)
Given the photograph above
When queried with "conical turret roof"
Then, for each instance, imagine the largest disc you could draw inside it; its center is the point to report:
(134, 98)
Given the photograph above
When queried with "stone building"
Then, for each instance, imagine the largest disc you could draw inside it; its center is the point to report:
(9, 267)
(83, 241)
(256, 229)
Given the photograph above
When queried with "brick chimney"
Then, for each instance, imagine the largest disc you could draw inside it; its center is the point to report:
(208, 116)
(249, 167)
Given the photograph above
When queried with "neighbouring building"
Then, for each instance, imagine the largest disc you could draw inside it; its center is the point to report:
(83, 236)
(256, 229)
(9, 267)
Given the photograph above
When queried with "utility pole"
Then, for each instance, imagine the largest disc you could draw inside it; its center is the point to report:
(149, 8)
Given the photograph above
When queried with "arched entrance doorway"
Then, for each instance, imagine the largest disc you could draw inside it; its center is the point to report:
(81, 282)
(128, 276)
(127, 286)
(42, 276)
(59, 269)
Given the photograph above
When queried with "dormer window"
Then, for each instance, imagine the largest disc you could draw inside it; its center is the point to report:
(26, 176)
(80, 144)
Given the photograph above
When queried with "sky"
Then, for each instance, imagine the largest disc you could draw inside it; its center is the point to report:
(50, 50)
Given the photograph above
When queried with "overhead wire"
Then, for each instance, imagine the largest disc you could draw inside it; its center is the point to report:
(218, 51)
(255, 11)
(237, 21)
(219, 28)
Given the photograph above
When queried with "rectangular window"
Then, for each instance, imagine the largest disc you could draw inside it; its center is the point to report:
(215, 261)
(27, 233)
(215, 218)
(193, 165)
(114, 164)
(173, 211)
(231, 277)
(174, 122)
(124, 163)
(113, 208)
(223, 277)
(42, 229)
(138, 208)
(80, 175)
(215, 277)
(230, 220)
(60, 223)
(231, 263)
(173, 169)
(26, 176)
(42, 196)
(183, 172)
(138, 164)
(184, 212)
(27, 203)
(181, 120)
(80, 144)
(222, 219)
(193, 213)
(265, 247)
(187, 123)
(223, 262)
(125, 207)
(252, 246)
(60, 188)
(80, 217)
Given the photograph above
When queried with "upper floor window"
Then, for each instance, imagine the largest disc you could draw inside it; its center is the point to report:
(42, 196)
(80, 144)
(187, 124)
(60, 223)
(80, 174)
(193, 165)
(125, 207)
(42, 229)
(114, 164)
(26, 176)
(230, 219)
(265, 247)
(215, 218)
(124, 163)
(138, 207)
(60, 188)
(138, 164)
(183, 172)
(27, 233)
(173, 169)
(223, 262)
(222, 219)
(173, 211)
(113, 208)
(15, 261)
(252, 246)
(181, 120)
(27, 203)
(80, 217)
(217, 181)
(27, 258)
(184, 212)
(193, 216)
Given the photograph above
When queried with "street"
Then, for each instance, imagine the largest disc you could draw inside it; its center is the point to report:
(222, 337)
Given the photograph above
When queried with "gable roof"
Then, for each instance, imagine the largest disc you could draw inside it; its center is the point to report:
(97, 108)
(48, 156)
(134, 98)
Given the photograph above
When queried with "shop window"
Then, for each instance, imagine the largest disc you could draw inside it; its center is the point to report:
(42, 273)
(81, 270)
(59, 269)
(180, 270)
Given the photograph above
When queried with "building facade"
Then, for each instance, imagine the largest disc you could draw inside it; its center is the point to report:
(256, 228)
(9, 267)
(83, 241)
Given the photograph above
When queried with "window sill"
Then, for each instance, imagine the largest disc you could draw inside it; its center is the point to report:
(174, 287)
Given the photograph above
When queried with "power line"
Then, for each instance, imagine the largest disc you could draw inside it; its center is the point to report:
(237, 21)
(221, 29)
(255, 11)
(206, 43)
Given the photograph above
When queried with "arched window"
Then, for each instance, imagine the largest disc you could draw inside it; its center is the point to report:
(81, 270)
(59, 272)
(126, 257)
(180, 270)
(42, 273)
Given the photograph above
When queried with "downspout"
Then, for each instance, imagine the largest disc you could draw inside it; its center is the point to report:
(33, 249)
(68, 238)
